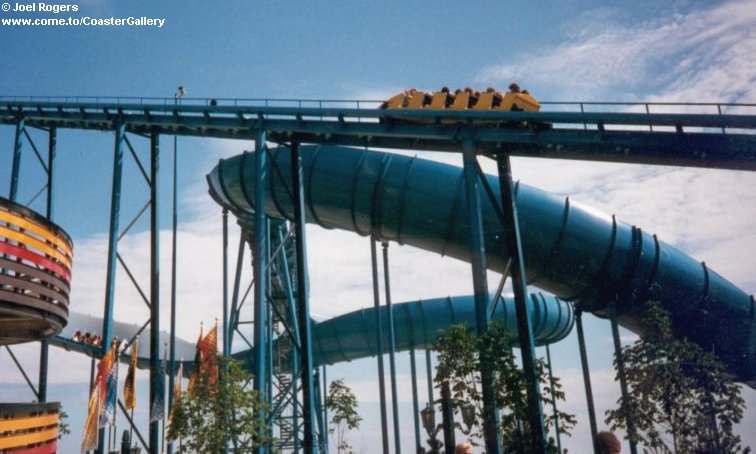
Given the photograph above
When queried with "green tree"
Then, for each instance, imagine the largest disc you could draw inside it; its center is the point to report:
(680, 397)
(216, 414)
(342, 404)
(460, 354)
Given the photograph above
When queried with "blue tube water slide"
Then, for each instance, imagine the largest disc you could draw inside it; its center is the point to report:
(571, 251)
(351, 336)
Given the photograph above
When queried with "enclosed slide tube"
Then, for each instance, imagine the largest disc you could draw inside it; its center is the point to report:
(352, 336)
(572, 251)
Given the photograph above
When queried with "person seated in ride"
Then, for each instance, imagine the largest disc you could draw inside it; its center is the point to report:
(497, 98)
(473, 96)
(449, 96)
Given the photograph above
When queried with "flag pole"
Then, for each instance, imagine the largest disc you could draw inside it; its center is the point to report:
(162, 414)
(117, 346)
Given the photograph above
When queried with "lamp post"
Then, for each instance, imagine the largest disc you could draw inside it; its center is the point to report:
(180, 91)
(428, 416)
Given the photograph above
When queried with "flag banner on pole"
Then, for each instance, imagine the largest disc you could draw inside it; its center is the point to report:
(176, 391)
(111, 391)
(104, 370)
(177, 383)
(209, 358)
(197, 360)
(92, 424)
(157, 412)
(129, 387)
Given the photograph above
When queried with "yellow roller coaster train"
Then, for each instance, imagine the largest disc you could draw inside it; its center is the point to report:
(515, 100)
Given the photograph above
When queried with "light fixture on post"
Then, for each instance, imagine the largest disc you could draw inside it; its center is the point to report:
(468, 417)
(428, 416)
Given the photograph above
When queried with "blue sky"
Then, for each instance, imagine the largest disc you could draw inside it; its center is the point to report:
(561, 51)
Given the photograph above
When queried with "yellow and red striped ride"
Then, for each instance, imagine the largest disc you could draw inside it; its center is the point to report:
(29, 428)
(35, 275)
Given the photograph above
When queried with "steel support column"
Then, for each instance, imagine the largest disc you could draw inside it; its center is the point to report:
(115, 217)
(415, 403)
(303, 316)
(294, 360)
(225, 332)
(621, 373)
(234, 319)
(260, 260)
(16, 166)
(174, 252)
(586, 371)
(392, 349)
(379, 346)
(44, 347)
(447, 418)
(480, 285)
(156, 371)
(553, 400)
(324, 428)
(429, 375)
(524, 323)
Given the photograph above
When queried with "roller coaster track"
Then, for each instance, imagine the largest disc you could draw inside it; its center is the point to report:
(712, 140)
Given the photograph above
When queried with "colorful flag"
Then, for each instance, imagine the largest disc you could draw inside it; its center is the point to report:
(176, 391)
(111, 391)
(177, 383)
(197, 360)
(104, 369)
(92, 425)
(129, 387)
(209, 359)
(97, 399)
(157, 412)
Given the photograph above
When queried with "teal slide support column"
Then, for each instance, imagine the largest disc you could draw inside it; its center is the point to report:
(157, 377)
(586, 371)
(392, 349)
(553, 400)
(115, 216)
(174, 253)
(480, 284)
(303, 316)
(415, 403)
(621, 372)
(16, 166)
(379, 346)
(524, 323)
(44, 346)
(260, 260)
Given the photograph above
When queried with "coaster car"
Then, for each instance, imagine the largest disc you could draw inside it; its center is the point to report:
(466, 100)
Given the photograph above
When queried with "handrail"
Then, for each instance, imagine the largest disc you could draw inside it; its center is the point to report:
(183, 101)
(343, 114)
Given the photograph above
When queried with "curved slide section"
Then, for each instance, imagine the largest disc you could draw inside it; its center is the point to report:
(35, 275)
(351, 336)
(570, 250)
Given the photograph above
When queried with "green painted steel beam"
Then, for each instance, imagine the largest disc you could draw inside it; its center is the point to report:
(602, 136)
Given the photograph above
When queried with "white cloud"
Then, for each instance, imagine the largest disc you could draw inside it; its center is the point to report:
(704, 55)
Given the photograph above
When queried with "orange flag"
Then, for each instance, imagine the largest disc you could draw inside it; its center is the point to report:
(92, 425)
(129, 388)
(209, 360)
